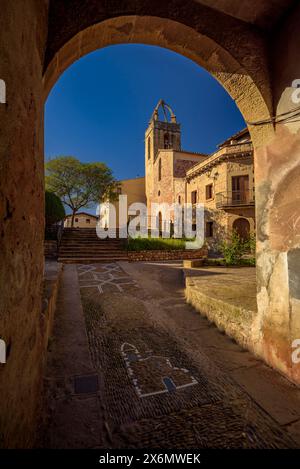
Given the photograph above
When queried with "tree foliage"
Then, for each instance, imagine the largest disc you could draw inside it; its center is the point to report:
(79, 184)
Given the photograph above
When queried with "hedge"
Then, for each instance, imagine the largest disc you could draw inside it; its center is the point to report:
(54, 209)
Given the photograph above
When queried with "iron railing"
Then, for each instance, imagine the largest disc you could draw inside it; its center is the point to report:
(54, 232)
(235, 199)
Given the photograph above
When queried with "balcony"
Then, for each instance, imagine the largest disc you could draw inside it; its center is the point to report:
(229, 199)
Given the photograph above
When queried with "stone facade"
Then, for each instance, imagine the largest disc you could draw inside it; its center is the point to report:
(223, 182)
(165, 163)
(81, 220)
(134, 189)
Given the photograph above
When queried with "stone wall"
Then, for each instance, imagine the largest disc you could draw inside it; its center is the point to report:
(52, 276)
(165, 255)
(234, 320)
(226, 296)
(23, 33)
(221, 179)
(277, 176)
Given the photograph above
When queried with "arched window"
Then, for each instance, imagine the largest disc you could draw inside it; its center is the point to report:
(149, 148)
(167, 141)
(160, 223)
(159, 169)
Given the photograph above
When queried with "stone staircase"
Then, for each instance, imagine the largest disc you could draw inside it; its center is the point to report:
(82, 246)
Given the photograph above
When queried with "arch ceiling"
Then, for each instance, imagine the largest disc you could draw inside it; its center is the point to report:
(232, 50)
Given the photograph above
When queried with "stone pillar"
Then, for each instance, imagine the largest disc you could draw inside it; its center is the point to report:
(277, 179)
(23, 32)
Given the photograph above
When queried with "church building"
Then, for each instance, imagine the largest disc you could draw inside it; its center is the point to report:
(222, 181)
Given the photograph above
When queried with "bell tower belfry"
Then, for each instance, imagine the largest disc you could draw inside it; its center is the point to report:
(163, 133)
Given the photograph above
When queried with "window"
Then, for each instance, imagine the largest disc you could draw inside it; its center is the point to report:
(166, 141)
(158, 193)
(76, 220)
(88, 221)
(209, 229)
(194, 197)
(240, 189)
(149, 148)
(209, 191)
(160, 223)
(179, 199)
(159, 169)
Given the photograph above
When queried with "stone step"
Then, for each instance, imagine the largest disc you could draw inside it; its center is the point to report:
(94, 239)
(92, 253)
(103, 248)
(91, 236)
(89, 260)
(79, 232)
(92, 246)
(117, 240)
(96, 253)
(83, 245)
(84, 232)
(96, 243)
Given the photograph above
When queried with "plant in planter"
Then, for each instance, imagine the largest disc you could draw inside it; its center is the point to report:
(234, 249)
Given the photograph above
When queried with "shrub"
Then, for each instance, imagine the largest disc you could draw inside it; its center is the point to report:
(248, 261)
(54, 209)
(155, 244)
(251, 244)
(234, 249)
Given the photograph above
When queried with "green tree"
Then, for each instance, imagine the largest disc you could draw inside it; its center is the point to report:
(79, 184)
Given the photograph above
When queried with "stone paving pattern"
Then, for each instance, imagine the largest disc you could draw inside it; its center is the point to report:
(111, 320)
(120, 307)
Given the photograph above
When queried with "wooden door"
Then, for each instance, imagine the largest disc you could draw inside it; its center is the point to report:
(240, 188)
(242, 227)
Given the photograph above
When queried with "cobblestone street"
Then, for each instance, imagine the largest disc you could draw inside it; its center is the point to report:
(159, 375)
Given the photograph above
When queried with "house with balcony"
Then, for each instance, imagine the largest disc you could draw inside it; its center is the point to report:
(224, 183)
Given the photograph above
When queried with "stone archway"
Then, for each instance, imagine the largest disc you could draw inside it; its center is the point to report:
(39, 40)
(248, 87)
(246, 82)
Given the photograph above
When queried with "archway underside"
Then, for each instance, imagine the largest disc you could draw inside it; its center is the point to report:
(241, 67)
(250, 92)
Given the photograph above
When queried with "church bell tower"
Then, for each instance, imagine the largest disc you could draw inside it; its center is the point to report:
(163, 133)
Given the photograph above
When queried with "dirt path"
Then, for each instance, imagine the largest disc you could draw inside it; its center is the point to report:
(159, 374)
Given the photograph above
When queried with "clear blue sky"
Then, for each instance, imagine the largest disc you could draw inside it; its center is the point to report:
(100, 107)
